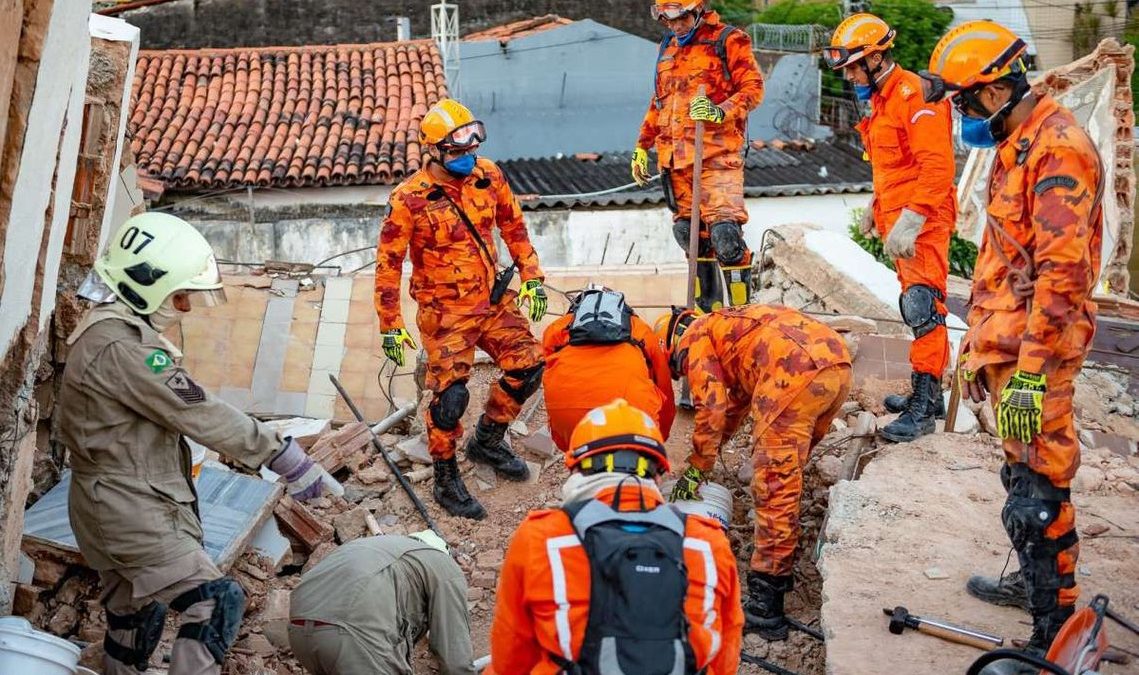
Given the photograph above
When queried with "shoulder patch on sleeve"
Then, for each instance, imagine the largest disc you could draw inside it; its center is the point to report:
(918, 114)
(1050, 182)
(906, 90)
(158, 361)
(185, 388)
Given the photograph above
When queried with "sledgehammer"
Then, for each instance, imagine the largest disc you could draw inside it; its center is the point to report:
(900, 619)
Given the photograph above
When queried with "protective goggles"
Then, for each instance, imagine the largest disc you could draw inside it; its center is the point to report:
(670, 11)
(840, 57)
(205, 298)
(466, 136)
(935, 88)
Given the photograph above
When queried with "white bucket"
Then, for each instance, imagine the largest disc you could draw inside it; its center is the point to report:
(715, 502)
(24, 649)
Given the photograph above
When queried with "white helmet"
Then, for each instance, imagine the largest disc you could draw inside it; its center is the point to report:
(155, 254)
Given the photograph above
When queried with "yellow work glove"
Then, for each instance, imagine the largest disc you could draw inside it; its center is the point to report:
(639, 167)
(687, 486)
(533, 293)
(393, 343)
(702, 109)
(1020, 412)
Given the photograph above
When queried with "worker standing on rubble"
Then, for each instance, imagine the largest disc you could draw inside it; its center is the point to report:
(616, 580)
(914, 209)
(1031, 319)
(124, 406)
(700, 51)
(791, 374)
(363, 608)
(600, 351)
(446, 214)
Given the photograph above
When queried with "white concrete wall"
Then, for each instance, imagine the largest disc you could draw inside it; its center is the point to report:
(57, 108)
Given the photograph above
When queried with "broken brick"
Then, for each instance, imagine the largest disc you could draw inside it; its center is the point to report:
(296, 520)
(334, 449)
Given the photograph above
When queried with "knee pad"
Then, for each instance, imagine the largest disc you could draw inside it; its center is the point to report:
(147, 626)
(728, 241)
(1033, 504)
(528, 380)
(220, 631)
(918, 306)
(448, 406)
(682, 230)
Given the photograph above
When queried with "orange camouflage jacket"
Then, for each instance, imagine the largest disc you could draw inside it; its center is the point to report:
(757, 358)
(680, 71)
(910, 145)
(1043, 193)
(449, 269)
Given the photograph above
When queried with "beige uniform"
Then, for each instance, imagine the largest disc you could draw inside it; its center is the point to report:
(124, 405)
(363, 608)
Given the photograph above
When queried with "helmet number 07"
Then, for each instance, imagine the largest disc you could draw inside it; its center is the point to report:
(129, 237)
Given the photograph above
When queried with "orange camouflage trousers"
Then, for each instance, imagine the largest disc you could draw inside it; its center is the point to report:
(450, 341)
(929, 267)
(721, 192)
(779, 454)
(1054, 454)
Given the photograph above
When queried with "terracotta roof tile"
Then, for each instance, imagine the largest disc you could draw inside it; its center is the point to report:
(283, 116)
(516, 29)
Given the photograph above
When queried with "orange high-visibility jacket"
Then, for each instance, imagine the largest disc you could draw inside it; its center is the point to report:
(910, 144)
(450, 270)
(735, 86)
(1043, 194)
(542, 606)
(753, 359)
(579, 378)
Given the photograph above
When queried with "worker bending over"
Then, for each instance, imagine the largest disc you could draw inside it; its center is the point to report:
(600, 351)
(791, 374)
(1031, 319)
(699, 51)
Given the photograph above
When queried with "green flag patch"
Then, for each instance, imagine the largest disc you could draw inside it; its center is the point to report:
(158, 361)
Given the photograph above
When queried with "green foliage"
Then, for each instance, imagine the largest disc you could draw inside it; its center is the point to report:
(796, 12)
(920, 25)
(962, 252)
(736, 12)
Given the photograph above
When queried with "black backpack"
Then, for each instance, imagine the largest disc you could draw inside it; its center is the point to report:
(600, 317)
(638, 583)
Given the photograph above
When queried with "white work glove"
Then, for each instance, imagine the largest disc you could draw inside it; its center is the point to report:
(866, 226)
(900, 242)
(305, 477)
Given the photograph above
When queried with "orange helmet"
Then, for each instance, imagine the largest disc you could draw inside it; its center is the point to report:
(668, 328)
(674, 9)
(451, 124)
(617, 437)
(855, 38)
(973, 54)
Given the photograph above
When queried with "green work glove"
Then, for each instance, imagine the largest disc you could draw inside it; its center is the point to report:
(639, 167)
(702, 109)
(393, 343)
(687, 486)
(1020, 412)
(533, 293)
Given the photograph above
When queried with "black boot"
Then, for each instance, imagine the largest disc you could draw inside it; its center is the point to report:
(1006, 591)
(488, 446)
(763, 605)
(1045, 626)
(709, 293)
(451, 493)
(917, 419)
(896, 403)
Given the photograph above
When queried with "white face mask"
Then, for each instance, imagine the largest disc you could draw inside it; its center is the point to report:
(166, 316)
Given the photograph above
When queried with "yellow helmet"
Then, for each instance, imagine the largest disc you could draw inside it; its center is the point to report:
(450, 123)
(857, 37)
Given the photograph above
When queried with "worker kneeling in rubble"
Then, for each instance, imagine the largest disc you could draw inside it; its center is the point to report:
(601, 350)
(792, 375)
(446, 214)
(124, 406)
(363, 608)
(1032, 317)
(616, 580)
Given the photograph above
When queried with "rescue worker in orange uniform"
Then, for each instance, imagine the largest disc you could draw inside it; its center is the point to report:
(600, 351)
(445, 214)
(701, 51)
(616, 573)
(914, 210)
(1031, 320)
(791, 374)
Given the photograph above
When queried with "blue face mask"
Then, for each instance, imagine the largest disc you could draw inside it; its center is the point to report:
(863, 91)
(462, 165)
(977, 132)
(683, 40)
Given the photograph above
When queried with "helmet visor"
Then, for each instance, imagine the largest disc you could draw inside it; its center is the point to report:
(670, 11)
(466, 136)
(211, 297)
(839, 57)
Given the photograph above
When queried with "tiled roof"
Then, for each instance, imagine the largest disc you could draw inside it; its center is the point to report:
(283, 116)
(517, 29)
(822, 168)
